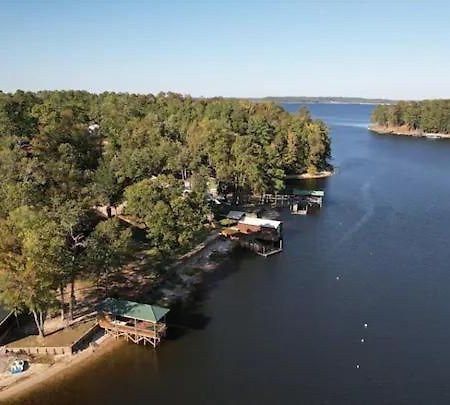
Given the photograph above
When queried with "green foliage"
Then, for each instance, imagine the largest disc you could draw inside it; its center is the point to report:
(106, 248)
(173, 219)
(430, 116)
(54, 168)
(31, 258)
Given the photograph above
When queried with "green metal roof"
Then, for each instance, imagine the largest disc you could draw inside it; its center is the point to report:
(312, 193)
(133, 310)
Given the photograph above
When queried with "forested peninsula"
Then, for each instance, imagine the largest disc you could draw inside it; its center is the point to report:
(415, 118)
(64, 152)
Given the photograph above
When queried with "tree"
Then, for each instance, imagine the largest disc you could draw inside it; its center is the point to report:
(106, 249)
(107, 187)
(31, 249)
(173, 220)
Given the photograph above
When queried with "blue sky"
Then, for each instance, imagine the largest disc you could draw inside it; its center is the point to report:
(369, 48)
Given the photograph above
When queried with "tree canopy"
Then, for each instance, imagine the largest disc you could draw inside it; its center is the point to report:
(429, 116)
(64, 152)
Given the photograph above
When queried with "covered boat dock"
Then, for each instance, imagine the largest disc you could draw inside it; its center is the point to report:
(139, 323)
(309, 198)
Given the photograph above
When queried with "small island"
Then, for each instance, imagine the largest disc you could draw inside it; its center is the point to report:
(428, 118)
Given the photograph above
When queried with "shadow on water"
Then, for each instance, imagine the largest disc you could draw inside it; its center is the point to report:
(186, 317)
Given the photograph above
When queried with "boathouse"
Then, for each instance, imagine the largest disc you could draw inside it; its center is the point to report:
(139, 323)
(263, 236)
(310, 197)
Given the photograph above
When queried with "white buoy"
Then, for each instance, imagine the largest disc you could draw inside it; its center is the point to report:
(338, 278)
(362, 340)
(357, 366)
(365, 325)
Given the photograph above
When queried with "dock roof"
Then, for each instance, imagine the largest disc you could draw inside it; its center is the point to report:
(262, 222)
(133, 310)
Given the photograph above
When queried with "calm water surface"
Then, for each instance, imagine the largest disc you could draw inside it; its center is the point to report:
(284, 330)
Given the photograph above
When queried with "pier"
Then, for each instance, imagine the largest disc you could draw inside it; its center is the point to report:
(138, 323)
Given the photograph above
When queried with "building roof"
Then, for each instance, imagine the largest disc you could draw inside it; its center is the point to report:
(262, 222)
(312, 193)
(236, 215)
(133, 310)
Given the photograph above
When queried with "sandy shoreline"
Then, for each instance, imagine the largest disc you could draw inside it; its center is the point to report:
(319, 175)
(61, 368)
(405, 132)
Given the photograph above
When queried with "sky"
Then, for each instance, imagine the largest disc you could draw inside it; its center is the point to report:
(396, 49)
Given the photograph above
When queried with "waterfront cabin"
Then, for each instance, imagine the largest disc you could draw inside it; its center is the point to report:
(139, 323)
(263, 236)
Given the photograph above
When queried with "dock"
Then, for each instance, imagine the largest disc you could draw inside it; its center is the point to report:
(262, 236)
(138, 323)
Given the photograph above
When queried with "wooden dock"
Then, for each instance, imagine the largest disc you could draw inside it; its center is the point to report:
(259, 248)
(142, 332)
(138, 323)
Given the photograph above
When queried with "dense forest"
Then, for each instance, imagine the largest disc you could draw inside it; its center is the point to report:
(64, 152)
(428, 116)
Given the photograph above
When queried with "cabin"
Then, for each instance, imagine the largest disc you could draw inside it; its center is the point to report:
(263, 236)
(138, 323)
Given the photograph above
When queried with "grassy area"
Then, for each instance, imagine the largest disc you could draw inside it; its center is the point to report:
(64, 337)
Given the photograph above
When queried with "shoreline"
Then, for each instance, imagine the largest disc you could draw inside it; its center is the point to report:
(39, 373)
(319, 175)
(402, 131)
(60, 369)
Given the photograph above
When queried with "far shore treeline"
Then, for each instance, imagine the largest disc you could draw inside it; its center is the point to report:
(428, 116)
(64, 152)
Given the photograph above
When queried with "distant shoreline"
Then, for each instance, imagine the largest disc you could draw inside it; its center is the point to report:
(404, 131)
(322, 100)
(334, 102)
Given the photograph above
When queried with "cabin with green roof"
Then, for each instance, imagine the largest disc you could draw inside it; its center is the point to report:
(139, 323)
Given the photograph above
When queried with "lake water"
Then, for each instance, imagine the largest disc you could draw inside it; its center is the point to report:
(285, 330)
